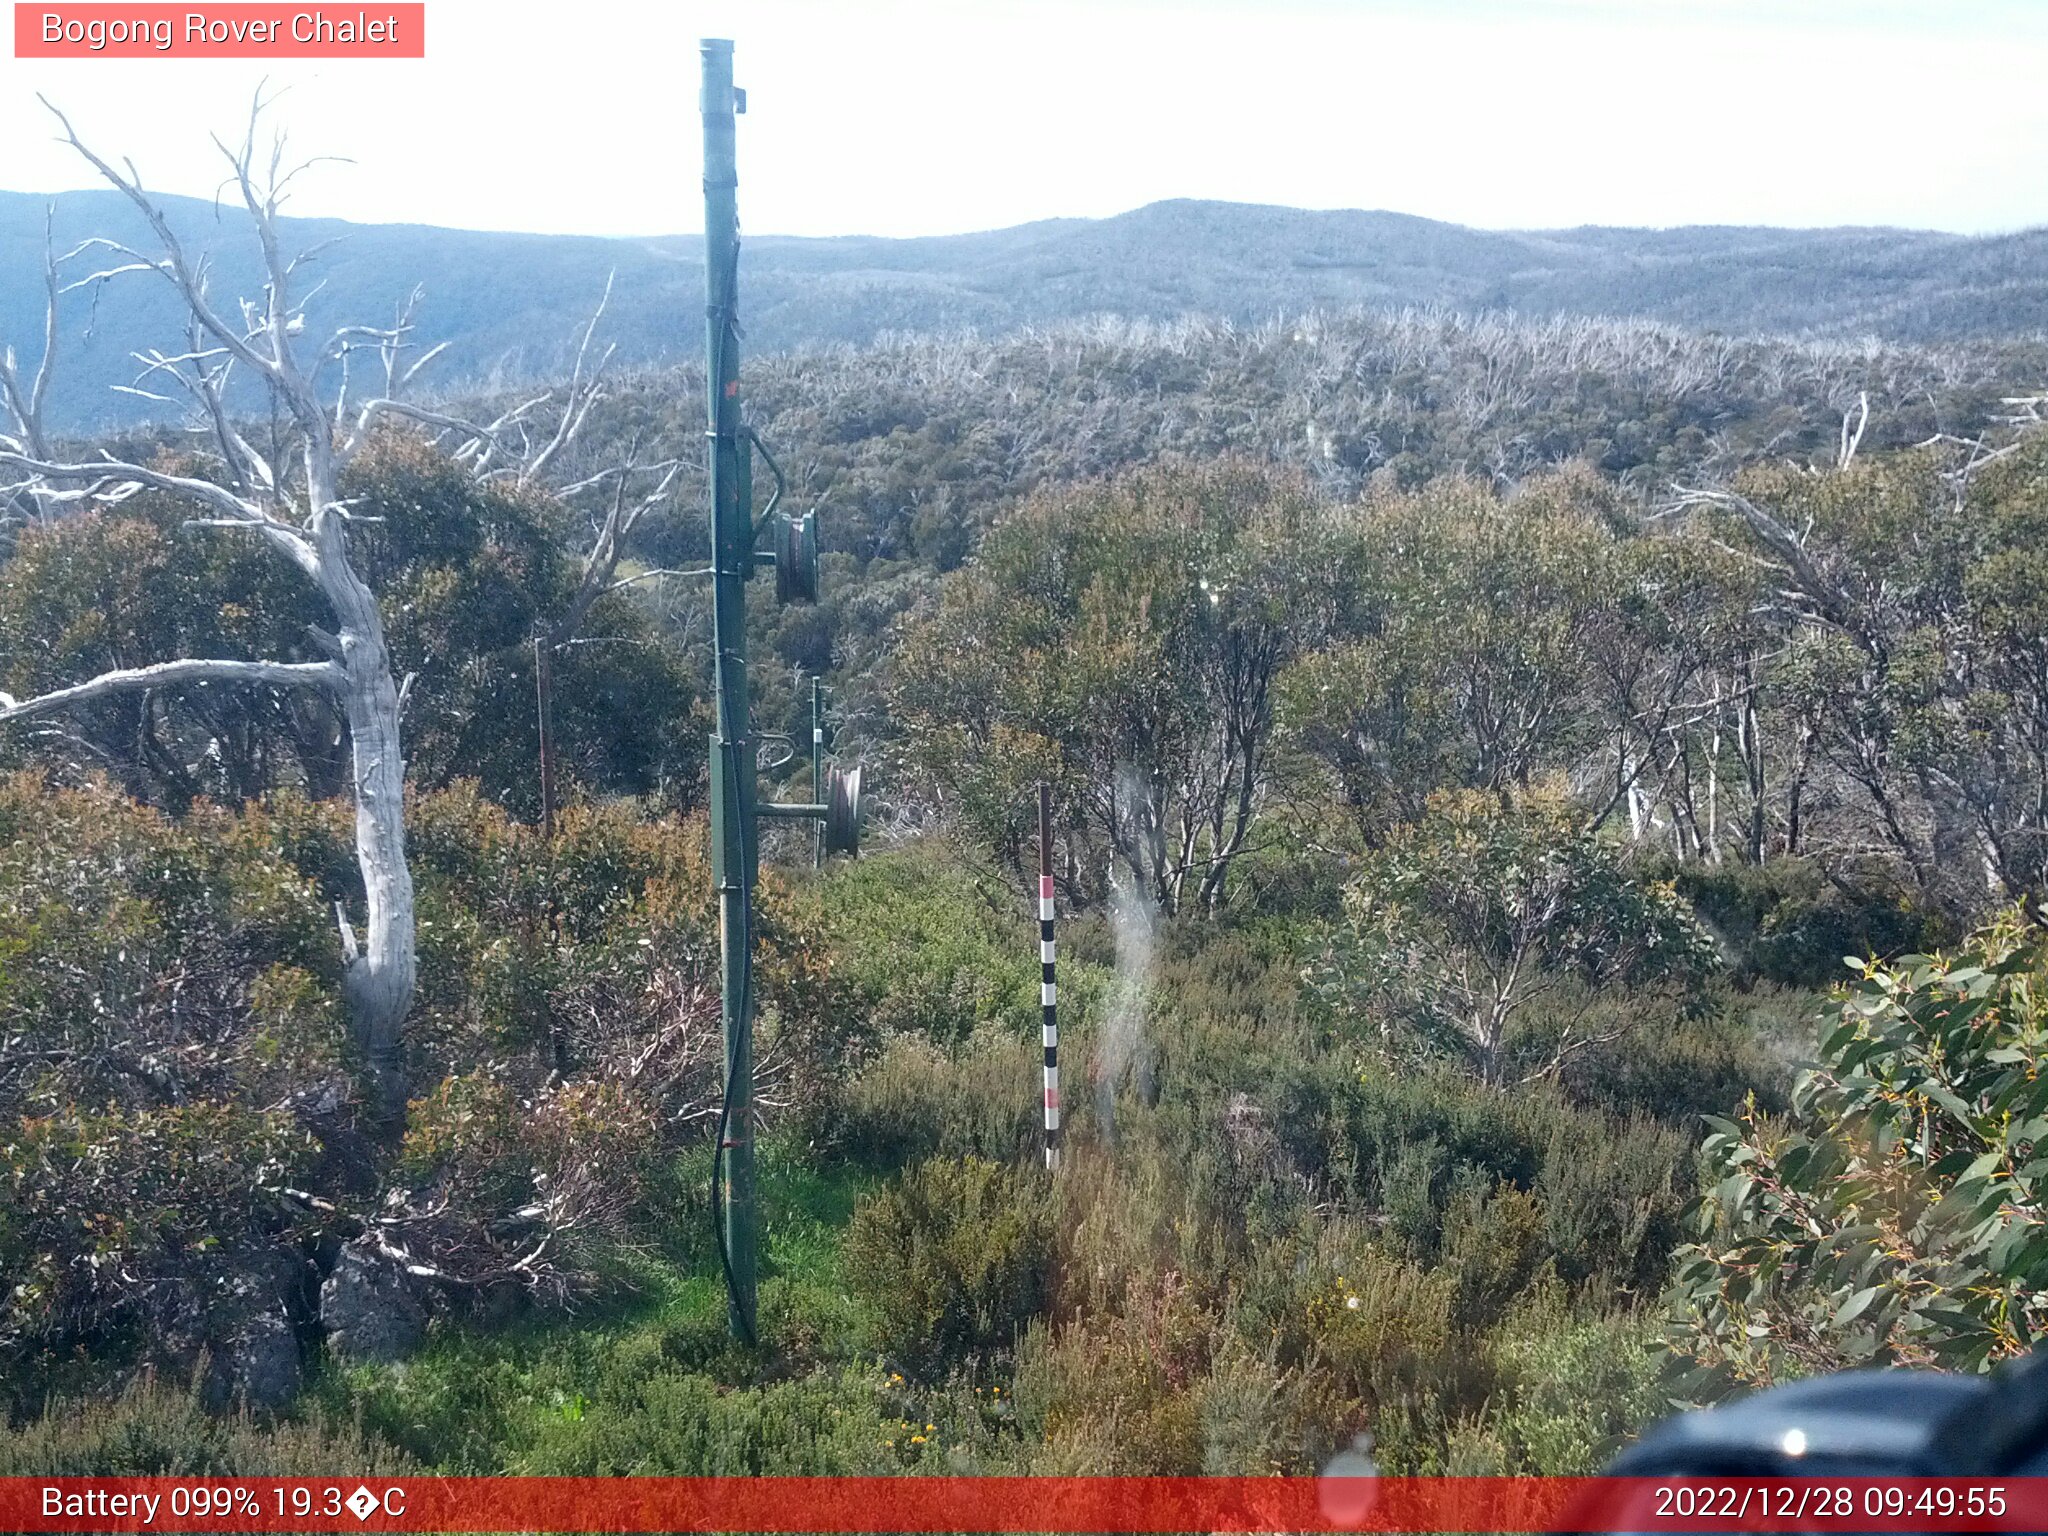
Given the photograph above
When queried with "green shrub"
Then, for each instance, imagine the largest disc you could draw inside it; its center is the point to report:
(1572, 1391)
(1614, 1193)
(1458, 922)
(1785, 922)
(1677, 1069)
(930, 946)
(953, 1259)
(150, 1430)
(1259, 1420)
(1119, 1390)
(977, 1099)
(1131, 1213)
(1398, 1145)
(1225, 1005)
(171, 1220)
(1327, 1299)
(1353, 1128)
(1494, 1245)
(135, 944)
(676, 1424)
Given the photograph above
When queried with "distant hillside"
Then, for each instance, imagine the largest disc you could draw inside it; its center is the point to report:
(510, 303)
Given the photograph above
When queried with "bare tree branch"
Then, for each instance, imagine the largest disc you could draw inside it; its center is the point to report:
(115, 479)
(1813, 583)
(175, 266)
(168, 674)
(602, 563)
(583, 393)
(372, 411)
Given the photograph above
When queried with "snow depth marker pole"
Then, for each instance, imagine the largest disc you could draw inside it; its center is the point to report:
(1048, 988)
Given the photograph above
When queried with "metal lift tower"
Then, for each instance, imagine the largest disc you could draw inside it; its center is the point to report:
(736, 535)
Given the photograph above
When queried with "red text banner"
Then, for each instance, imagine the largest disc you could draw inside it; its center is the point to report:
(230, 31)
(1022, 1504)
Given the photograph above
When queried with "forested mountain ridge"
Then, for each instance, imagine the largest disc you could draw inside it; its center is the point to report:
(509, 303)
(910, 445)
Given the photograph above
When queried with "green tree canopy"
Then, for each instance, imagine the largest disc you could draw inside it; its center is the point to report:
(466, 574)
(1462, 656)
(1123, 640)
(1490, 901)
(1908, 589)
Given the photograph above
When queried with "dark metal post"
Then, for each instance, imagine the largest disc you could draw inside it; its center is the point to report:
(1048, 987)
(544, 709)
(818, 767)
(732, 750)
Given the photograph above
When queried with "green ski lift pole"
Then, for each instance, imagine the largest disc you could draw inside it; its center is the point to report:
(735, 812)
(732, 753)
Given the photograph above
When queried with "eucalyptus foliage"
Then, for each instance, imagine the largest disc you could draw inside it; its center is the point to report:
(1895, 1217)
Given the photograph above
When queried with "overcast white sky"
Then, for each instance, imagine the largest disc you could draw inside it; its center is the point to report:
(907, 117)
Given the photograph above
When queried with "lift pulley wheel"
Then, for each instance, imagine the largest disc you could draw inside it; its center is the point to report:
(796, 558)
(843, 811)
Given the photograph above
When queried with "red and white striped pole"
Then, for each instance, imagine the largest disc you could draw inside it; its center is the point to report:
(1048, 988)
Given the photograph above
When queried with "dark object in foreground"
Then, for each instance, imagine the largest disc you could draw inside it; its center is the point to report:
(1863, 1424)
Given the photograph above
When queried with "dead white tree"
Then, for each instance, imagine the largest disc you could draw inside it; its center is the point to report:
(25, 399)
(1854, 421)
(290, 499)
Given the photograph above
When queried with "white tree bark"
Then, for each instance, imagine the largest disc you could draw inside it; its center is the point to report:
(166, 674)
(297, 511)
(25, 400)
(291, 500)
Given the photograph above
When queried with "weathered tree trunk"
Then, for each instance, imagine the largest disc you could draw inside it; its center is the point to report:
(378, 973)
(379, 979)
(1751, 741)
(1795, 797)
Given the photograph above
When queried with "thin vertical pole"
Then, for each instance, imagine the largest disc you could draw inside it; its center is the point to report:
(1048, 987)
(544, 708)
(818, 768)
(732, 778)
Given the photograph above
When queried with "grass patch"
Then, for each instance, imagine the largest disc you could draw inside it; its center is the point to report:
(481, 1399)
